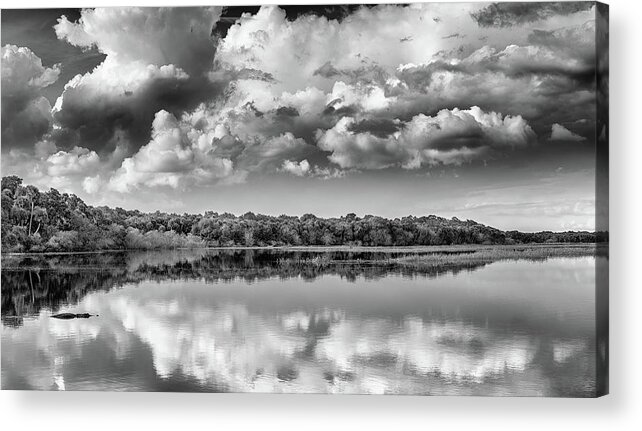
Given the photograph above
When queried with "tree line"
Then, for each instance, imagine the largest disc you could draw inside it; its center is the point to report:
(36, 221)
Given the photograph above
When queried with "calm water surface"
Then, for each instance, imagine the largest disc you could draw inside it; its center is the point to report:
(259, 321)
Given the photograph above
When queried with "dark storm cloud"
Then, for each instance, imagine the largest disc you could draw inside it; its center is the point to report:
(602, 76)
(380, 127)
(344, 111)
(468, 138)
(327, 71)
(576, 43)
(161, 62)
(331, 12)
(24, 122)
(91, 120)
(422, 76)
(554, 98)
(515, 62)
(554, 76)
(287, 111)
(544, 37)
(510, 14)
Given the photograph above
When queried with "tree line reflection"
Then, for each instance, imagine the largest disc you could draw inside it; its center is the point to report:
(33, 282)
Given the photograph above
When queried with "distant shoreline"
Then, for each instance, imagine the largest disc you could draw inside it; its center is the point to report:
(337, 248)
(419, 258)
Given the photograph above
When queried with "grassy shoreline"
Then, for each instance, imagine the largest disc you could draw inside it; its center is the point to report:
(417, 257)
(443, 256)
(424, 259)
(344, 248)
(498, 253)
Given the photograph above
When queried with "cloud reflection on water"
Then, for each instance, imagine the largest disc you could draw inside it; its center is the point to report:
(391, 335)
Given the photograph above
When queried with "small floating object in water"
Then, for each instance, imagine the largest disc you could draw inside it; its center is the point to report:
(73, 316)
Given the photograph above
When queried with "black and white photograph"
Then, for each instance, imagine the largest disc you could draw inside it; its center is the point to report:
(393, 199)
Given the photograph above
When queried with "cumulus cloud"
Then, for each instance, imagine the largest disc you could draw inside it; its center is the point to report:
(210, 146)
(366, 44)
(23, 72)
(450, 137)
(77, 161)
(299, 169)
(26, 115)
(167, 160)
(157, 58)
(304, 169)
(160, 36)
(381, 90)
(507, 14)
(561, 133)
(367, 97)
(91, 185)
(254, 113)
(75, 170)
(560, 62)
(309, 96)
(271, 152)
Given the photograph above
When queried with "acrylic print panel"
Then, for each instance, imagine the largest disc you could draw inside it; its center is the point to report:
(362, 199)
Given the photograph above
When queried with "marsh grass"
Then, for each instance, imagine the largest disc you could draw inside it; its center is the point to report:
(445, 256)
(493, 253)
(319, 261)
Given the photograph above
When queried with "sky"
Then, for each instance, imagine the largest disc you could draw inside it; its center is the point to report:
(471, 110)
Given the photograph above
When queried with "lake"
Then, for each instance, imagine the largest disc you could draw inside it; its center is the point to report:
(304, 321)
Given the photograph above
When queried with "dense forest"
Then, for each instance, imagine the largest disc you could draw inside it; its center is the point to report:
(35, 221)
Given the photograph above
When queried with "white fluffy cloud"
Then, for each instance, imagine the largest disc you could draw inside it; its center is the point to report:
(368, 97)
(75, 170)
(380, 75)
(91, 185)
(212, 145)
(168, 150)
(305, 169)
(450, 137)
(77, 161)
(388, 86)
(26, 115)
(23, 72)
(169, 159)
(561, 133)
(158, 36)
(299, 169)
(157, 58)
(368, 41)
